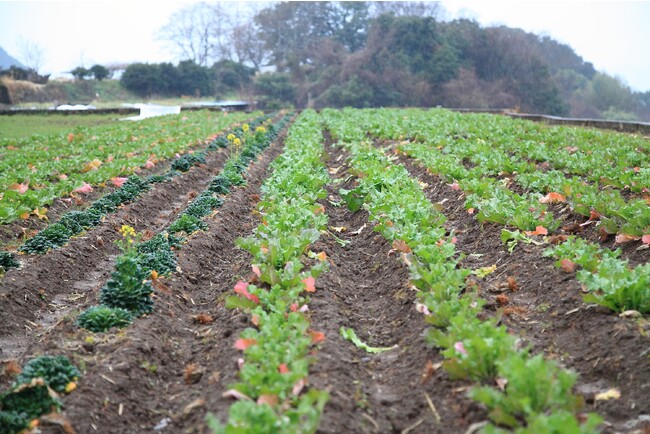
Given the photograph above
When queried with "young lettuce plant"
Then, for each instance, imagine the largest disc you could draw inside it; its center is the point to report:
(533, 386)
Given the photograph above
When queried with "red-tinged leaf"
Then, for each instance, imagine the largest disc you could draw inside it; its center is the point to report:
(117, 181)
(316, 337)
(232, 393)
(625, 238)
(322, 256)
(271, 400)
(557, 239)
(85, 188)
(602, 231)
(243, 343)
(204, 318)
(539, 230)
(70, 137)
(297, 388)
(401, 246)
(20, 188)
(460, 348)
(293, 307)
(594, 215)
(283, 369)
(568, 265)
(502, 299)
(256, 270)
(255, 319)
(552, 197)
(319, 209)
(241, 288)
(645, 239)
(310, 284)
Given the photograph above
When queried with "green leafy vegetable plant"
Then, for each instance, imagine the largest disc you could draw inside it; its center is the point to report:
(102, 318)
(533, 386)
(56, 371)
(128, 287)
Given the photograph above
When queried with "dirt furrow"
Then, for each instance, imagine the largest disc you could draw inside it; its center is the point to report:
(51, 285)
(168, 369)
(367, 289)
(548, 312)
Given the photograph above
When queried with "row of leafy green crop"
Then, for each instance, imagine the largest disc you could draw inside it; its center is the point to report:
(605, 157)
(128, 293)
(522, 392)
(610, 282)
(36, 170)
(35, 392)
(274, 370)
(616, 215)
(584, 168)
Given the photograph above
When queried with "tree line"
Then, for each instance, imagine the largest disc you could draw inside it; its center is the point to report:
(371, 54)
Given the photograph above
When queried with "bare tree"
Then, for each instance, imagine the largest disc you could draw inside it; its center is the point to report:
(32, 54)
(199, 32)
(246, 44)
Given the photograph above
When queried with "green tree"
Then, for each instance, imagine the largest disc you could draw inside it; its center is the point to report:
(275, 90)
(99, 72)
(193, 79)
(143, 79)
(231, 76)
(80, 73)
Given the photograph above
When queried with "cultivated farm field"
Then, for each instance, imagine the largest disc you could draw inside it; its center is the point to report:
(362, 271)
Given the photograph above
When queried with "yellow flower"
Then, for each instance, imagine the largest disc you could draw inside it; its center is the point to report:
(127, 231)
(260, 129)
(237, 142)
(245, 128)
(70, 387)
(231, 137)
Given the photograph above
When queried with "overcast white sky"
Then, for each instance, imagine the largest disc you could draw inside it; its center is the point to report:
(613, 35)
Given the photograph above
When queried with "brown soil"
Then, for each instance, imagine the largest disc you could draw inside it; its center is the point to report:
(138, 379)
